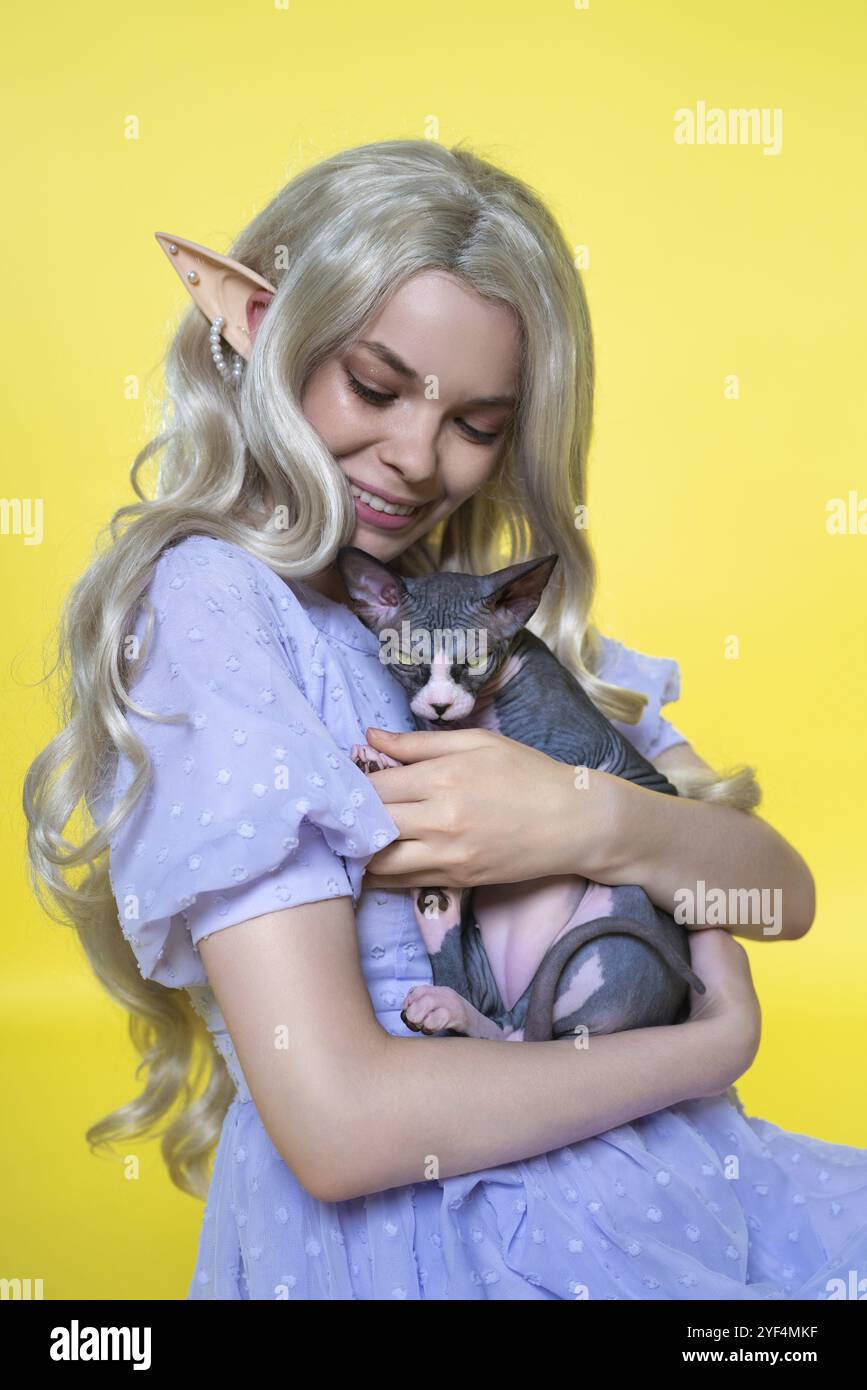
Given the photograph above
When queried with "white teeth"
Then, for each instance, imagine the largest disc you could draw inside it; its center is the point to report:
(378, 505)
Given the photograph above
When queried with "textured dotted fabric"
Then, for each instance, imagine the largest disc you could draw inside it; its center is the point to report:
(254, 806)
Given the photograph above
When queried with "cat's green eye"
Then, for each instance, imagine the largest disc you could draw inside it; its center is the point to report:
(405, 659)
(474, 661)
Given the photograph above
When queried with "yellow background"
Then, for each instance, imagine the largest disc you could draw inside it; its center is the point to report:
(707, 514)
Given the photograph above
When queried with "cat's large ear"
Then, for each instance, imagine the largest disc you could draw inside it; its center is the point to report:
(377, 594)
(222, 288)
(515, 593)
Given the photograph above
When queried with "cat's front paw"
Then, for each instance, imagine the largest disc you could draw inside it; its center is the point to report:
(371, 759)
(431, 1008)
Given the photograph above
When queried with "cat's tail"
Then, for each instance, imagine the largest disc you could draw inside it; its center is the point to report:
(539, 1023)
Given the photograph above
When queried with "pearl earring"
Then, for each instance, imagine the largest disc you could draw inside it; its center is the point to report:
(228, 373)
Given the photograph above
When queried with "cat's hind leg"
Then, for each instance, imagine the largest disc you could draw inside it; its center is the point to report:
(628, 970)
(463, 996)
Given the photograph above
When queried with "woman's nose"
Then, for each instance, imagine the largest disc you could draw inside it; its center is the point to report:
(413, 452)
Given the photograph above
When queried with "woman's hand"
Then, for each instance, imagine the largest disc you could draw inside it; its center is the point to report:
(730, 1005)
(477, 807)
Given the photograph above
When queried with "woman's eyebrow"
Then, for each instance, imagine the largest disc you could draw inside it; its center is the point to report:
(398, 365)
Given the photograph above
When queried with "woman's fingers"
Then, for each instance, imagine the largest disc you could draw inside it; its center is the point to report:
(372, 880)
(396, 784)
(408, 859)
(412, 818)
(477, 798)
(415, 746)
(415, 779)
(721, 962)
(420, 781)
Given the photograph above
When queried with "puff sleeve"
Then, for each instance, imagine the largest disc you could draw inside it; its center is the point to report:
(253, 805)
(657, 677)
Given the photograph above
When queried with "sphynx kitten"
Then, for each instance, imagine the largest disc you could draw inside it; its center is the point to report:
(552, 957)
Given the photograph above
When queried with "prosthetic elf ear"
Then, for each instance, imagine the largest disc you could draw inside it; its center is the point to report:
(231, 297)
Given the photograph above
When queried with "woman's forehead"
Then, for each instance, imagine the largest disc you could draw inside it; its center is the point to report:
(436, 324)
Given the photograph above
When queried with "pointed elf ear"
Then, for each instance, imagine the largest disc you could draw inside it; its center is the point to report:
(222, 288)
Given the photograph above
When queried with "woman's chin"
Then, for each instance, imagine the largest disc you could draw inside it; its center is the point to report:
(382, 545)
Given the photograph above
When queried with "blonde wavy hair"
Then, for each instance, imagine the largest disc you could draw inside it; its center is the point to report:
(243, 464)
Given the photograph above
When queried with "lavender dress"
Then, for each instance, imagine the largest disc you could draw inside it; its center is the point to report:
(256, 806)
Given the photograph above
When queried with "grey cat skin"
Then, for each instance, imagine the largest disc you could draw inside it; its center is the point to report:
(458, 645)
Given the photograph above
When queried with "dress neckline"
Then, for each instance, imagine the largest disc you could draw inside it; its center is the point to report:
(334, 619)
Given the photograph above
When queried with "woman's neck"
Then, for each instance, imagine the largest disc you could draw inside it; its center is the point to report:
(329, 583)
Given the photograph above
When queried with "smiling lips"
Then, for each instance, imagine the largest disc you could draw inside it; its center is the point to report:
(377, 511)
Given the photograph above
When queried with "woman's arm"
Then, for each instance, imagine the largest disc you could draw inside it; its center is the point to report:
(476, 807)
(673, 845)
(353, 1109)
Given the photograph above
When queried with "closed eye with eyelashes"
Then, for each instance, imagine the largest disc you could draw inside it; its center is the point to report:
(384, 399)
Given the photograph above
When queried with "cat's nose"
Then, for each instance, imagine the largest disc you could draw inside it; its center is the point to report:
(440, 709)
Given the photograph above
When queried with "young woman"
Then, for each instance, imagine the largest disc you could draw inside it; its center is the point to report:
(413, 373)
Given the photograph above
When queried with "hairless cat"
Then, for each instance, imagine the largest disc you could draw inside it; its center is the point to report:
(551, 958)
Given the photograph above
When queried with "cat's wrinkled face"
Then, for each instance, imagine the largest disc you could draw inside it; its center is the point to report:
(442, 670)
(444, 636)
